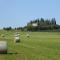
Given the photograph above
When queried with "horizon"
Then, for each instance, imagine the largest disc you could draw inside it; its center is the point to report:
(17, 13)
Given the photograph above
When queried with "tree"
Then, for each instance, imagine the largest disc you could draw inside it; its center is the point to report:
(42, 20)
(7, 28)
(53, 21)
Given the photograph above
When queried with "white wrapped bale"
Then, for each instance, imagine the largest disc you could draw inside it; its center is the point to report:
(3, 47)
(17, 39)
(28, 35)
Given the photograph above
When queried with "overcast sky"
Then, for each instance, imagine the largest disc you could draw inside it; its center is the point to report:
(17, 13)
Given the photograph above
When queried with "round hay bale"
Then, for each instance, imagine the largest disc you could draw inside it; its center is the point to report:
(28, 35)
(3, 47)
(17, 39)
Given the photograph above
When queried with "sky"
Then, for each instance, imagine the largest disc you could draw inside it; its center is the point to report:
(17, 13)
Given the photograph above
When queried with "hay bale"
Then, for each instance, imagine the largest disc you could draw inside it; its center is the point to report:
(3, 47)
(28, 35)
(17, 39)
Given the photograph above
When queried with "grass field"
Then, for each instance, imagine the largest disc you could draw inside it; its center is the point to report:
(39, 46)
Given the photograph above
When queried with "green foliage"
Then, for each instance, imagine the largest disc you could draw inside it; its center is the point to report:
(7, 28)
(43, 24)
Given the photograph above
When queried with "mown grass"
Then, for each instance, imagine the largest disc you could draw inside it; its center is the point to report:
(39, 46)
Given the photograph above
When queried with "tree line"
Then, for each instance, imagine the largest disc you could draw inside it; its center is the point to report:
(38, 25)
(43, 24)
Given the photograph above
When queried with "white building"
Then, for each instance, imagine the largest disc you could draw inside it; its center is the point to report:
(34, 24)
